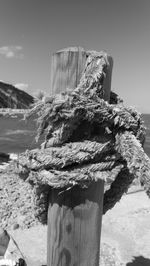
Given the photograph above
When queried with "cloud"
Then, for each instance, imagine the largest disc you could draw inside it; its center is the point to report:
(11, 52)
(22, 86)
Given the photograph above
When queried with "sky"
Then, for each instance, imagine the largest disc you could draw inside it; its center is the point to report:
(32, 30)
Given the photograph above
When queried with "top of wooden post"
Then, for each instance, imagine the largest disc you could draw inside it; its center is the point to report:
(67, 67)
(72, 49)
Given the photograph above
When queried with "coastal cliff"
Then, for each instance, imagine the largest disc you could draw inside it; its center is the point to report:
(12, 97)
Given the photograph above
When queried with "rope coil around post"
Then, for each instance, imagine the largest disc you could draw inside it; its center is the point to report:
(86, 139)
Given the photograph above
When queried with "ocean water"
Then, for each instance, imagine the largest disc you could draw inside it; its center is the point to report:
(18, 135)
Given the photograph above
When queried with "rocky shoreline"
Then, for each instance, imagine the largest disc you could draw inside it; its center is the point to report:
(16, 197)
(8, 112)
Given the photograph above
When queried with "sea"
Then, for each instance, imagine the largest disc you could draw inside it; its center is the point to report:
(18, 135)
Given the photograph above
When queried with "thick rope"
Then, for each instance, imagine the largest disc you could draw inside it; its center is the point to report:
(86, 139)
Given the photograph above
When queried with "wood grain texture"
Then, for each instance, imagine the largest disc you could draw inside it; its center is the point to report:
(66, 69)
(67, 66)
(107, 80)
(74, 226)
(74, 216)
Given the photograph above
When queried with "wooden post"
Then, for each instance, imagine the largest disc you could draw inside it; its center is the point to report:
(74, 216)
(107, 80)
(74, 226)
(66, 69)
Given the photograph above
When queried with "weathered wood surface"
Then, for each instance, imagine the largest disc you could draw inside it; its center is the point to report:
(107, 80)
(66, 69)
(74, 226)
(74, 216)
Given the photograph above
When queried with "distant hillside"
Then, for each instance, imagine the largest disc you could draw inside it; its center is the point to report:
(11, 97)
